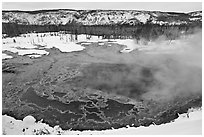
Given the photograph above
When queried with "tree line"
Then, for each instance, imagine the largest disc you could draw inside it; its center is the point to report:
(142, 31)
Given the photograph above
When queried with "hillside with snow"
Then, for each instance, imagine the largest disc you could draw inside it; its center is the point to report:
(99, 17)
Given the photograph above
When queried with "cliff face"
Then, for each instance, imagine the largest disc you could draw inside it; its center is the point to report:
(99, 17)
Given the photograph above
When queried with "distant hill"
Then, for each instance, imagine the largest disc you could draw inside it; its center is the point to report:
(99, 17)
(106, 23)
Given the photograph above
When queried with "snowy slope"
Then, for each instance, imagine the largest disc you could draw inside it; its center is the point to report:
(98, 17)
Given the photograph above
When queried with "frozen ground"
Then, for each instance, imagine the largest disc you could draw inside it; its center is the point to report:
(186, 124)
(5, 56)
(34, 45)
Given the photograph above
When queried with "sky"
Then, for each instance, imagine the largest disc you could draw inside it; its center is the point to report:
(151, 6)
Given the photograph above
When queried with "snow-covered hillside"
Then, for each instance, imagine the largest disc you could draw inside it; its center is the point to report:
(99, 17)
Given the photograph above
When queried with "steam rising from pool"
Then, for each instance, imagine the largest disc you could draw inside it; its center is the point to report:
(159, 75)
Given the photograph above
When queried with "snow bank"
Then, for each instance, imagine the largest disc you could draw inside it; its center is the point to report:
(34, 43)
(22, 47)
(25, 52)
(27, 126)
(66, 47)
(129, 43)
(189, 123)
(34, 56)
(5, 56)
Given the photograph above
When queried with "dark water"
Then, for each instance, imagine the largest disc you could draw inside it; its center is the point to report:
(92, 109)
(59, 94)
(94, 116)
(79, 115)
(74, 114)
(31, 97)
(114, 108)
(54, 117)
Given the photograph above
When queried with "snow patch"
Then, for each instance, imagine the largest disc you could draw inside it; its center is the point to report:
(101, 44)
(143, 17)
(34, 56)
(195, 18)
(34, 51)
(5, 56)
(129, 43)
(33, 43)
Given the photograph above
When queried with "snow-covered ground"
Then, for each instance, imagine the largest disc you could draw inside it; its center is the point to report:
(187, 124)
(5, 56)
(34, 44)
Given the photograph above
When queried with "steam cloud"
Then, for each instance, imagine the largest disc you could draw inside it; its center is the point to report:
(176, 73)
(158, 73)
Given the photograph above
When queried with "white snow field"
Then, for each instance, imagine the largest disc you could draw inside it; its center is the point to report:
(5, 56)
(34, 44)
(187, 124)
